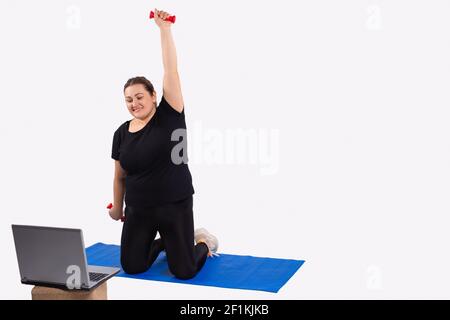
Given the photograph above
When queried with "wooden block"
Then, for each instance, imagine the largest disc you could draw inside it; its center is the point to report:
(46, 293)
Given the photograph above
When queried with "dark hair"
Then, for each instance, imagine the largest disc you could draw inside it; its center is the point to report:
(140, 80)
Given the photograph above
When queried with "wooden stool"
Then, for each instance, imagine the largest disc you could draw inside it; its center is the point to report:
(46, 293)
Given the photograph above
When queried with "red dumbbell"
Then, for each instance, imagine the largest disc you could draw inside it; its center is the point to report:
(169, 18)
(122, 218)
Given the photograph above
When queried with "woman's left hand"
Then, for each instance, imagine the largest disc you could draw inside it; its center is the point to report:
(159, 17)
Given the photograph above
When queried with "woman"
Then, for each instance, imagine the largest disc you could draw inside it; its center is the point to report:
(157, 186)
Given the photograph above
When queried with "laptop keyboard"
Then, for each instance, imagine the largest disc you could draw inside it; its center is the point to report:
(95, 276)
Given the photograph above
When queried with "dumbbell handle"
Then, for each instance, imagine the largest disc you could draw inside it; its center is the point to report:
(169, 18)
(122, 218)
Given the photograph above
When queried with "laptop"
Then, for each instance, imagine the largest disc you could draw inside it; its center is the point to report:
(56, 257)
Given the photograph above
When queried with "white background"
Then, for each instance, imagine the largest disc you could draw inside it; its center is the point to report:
(358, 92)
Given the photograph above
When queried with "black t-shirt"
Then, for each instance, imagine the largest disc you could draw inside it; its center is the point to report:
(152, 177)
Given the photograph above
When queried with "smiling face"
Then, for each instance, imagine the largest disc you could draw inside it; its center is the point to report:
(140, 103)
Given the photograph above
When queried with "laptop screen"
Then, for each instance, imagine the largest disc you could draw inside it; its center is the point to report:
(50, 255)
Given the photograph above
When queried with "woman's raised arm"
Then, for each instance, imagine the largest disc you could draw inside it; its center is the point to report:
(171, 82)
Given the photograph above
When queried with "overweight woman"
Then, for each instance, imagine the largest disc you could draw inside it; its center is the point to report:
(156, 185)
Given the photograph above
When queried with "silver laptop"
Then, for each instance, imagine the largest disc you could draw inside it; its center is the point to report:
(56, 257)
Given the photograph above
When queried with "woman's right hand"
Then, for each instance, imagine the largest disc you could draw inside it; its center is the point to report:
(116, 213)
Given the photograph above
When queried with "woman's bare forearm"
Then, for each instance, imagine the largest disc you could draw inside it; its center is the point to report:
(169, 52)
(119, 192)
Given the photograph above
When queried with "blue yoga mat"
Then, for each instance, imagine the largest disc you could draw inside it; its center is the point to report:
(227, 271)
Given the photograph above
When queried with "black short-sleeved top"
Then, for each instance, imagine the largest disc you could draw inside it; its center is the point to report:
(152, 177)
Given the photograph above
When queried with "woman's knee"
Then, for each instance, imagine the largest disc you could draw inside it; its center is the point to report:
(185, 276)
(183, 273)
(132, 266)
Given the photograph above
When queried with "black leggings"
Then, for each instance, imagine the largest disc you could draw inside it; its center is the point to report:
(175, 224)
